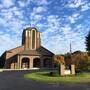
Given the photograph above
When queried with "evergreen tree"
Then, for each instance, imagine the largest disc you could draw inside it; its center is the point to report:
(88, 43)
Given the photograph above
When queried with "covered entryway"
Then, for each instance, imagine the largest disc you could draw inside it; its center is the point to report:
(13, 63)
(25, 63)
(36, 62)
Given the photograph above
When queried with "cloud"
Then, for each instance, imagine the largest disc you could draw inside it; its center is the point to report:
(52, 26)
(35, 20)
(39, 9)
(10, 13)
(73, 17)
(2, 21)
(60, 36)
(74, 3)
(7, 3)
(60, 27)
(8, 42)
(41, 2)
(16, 25)
(53, 22)
(77, 4)
(23, 3)
(51, 36)
(13, 19)
(66, 29)
(85, 7)
(36, 16)
(83, 4)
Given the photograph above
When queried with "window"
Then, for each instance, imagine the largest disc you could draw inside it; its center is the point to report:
(33, 39)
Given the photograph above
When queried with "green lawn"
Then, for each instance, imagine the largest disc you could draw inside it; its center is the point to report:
(45, 77)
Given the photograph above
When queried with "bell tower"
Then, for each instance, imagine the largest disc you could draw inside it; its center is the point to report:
(31, 39)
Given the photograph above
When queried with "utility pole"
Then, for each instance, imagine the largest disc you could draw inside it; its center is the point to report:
(72, 66)
(71, 52)
(70, 48)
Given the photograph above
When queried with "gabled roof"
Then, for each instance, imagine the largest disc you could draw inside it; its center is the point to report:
(39, 51)
(45, 51)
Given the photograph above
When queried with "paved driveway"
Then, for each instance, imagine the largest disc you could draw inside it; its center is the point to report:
(14, 81)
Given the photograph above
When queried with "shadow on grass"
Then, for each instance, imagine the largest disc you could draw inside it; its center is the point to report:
(55, 74)
(49, 74)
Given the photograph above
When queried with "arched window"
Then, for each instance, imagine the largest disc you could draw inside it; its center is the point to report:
(36, 62)
(33, 39)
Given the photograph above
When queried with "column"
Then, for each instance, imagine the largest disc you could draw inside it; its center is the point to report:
(31, 63)
(18, 61)
(61, 69)
(73, 69)
(35, 39)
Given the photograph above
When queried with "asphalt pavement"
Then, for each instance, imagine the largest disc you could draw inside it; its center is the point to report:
(14, 80)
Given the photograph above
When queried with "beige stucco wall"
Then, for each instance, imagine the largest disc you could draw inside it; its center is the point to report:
(14, 52)
(31, 58)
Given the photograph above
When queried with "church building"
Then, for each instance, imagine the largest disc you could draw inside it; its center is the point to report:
(30, 54)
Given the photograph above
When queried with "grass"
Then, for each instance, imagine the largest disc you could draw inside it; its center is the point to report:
(46, 77)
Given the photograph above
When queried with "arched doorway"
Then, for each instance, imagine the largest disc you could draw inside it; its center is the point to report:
(25, 63)
(13, 62)
(36, 62)
(46, 63)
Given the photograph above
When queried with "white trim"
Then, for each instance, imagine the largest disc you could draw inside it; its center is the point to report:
(26, 33)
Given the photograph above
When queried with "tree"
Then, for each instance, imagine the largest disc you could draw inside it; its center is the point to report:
(80, 59)
(88, 64)
(88, 43)
(67, 57)
(59, 59)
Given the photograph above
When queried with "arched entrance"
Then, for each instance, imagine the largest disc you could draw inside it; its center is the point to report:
(36, 62)
(25, 63)
(46, 63)
(13, 63)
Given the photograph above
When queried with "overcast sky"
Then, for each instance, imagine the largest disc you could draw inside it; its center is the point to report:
(61, 22)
